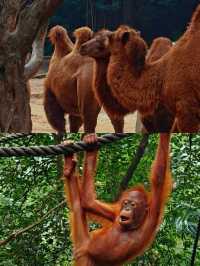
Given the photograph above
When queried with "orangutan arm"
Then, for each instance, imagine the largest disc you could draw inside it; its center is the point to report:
(88, 194)
(161, 182)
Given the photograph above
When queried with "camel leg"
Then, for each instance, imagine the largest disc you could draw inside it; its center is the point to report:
(90, 122)
(54, 112)
(118, 124)
(88, 105)
(75, 122)
(90, 116)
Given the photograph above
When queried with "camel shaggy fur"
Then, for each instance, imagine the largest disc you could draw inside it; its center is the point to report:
(174, 80)
(98, 48)
(161, 120)
(69, 90)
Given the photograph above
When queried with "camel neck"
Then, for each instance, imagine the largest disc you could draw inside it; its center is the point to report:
(61, 50)
(101, 66)
(77, 45)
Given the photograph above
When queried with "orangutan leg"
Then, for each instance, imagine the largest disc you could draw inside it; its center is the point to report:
(79, 225)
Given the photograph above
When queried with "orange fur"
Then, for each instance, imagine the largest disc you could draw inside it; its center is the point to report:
(174, 80)
(117, 242)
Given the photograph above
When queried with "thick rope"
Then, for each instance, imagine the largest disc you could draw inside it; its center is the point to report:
(65, 149)
(11, 137)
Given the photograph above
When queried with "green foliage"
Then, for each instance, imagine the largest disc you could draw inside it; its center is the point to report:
(31, 187)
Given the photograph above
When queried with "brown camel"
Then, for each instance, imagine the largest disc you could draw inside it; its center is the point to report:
(98, 48)
(69, 89)
(174, 80)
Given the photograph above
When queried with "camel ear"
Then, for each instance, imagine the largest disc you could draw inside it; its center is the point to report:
(125, 37)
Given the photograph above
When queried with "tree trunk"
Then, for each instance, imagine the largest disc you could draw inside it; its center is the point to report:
(23, 23)
(15, 114)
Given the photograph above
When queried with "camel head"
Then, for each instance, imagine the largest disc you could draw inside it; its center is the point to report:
(59, 38)
(57, 34)
(98, 46)
(128, 43)
(82, 35)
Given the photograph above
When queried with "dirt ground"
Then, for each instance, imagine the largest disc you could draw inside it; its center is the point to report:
(40, 124)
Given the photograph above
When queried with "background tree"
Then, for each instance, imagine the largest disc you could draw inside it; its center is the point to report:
(21, 22)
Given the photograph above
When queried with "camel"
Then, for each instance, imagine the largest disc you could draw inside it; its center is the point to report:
(68, 89)
(98, 48)
(173, 80)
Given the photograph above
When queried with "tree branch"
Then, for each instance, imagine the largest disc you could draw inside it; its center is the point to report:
(17, 233)
(135, 161)
(32, 67)
(30, 20)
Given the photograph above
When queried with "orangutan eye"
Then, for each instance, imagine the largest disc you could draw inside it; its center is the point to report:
(125, 202)
(133, 204)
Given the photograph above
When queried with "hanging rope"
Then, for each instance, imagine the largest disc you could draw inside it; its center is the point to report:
(59, 149)
(194, 252)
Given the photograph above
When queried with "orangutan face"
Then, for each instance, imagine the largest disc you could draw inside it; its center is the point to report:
(133, 210)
